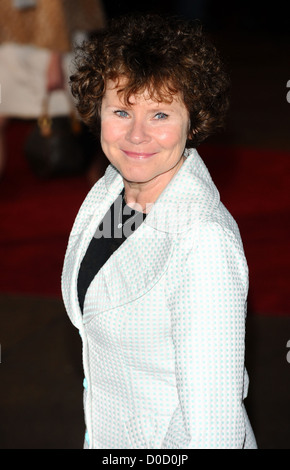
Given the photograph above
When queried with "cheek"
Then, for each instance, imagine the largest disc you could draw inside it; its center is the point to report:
(172, 136)
(110, 133)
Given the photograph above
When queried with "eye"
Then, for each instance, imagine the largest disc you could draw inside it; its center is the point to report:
(161, 116)
(121, 113)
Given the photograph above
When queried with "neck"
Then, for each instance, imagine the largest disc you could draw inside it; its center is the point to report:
(146, 193)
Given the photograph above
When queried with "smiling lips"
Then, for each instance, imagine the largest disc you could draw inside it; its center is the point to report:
(138, 155)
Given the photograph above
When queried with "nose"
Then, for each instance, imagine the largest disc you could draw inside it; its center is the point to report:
(137, 132)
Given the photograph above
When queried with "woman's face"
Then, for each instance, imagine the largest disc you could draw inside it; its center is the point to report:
(144, 141)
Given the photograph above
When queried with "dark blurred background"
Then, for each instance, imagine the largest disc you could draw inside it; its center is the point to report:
(41, 370)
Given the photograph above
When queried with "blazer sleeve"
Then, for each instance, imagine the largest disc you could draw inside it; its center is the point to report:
(208, 331)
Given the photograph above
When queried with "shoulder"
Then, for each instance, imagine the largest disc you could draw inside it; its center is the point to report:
(208, 266)
(211, 245)
(218, 253)
(219, 242)
(216, 228)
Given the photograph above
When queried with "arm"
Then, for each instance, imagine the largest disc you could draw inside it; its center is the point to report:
(55, 74)
(208, 326)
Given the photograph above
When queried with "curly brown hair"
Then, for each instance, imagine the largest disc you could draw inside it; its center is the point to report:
(161, 55)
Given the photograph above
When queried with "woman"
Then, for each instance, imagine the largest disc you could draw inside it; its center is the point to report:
(155, 277)
(36, 43)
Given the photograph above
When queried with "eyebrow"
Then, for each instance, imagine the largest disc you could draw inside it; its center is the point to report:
(123, 106)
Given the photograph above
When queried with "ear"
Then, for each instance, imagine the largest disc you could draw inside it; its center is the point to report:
(191, 132)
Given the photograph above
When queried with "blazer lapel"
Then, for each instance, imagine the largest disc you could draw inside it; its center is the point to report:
(131, 271)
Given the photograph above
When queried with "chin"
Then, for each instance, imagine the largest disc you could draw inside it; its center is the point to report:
(134, 175)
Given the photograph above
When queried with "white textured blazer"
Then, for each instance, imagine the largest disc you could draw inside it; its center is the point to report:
(163, 327)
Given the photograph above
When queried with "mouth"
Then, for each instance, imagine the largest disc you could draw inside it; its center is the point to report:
(138, 155)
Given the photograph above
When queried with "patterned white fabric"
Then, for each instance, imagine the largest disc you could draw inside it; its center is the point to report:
(163, 328)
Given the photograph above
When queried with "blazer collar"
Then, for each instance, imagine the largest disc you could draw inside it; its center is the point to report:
(191, 195)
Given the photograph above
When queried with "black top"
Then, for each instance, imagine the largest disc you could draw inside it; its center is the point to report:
(117, 225)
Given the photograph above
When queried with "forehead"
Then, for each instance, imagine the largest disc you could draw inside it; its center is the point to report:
(117, 90)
